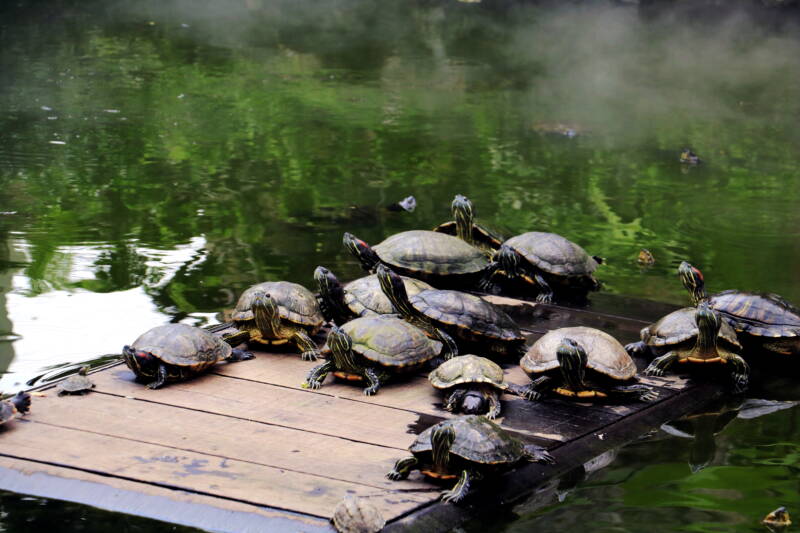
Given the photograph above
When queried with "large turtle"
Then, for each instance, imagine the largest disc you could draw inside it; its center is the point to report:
(279, 312)
(582, 363)
(472, 385)
(17, 405)
(361, 297)
(692, 335)
(372, 349)
(465, 228)
(440, 259)
(470, 319)
(466, 448)
(763, 319)
(174, 352)
(76, 383)
(544, 260)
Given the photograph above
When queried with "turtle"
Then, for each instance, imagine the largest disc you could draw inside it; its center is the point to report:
(765, 320)
(467, 448)
(777, 520)
(372, 349)
(559, 360)
(357, 515)
(76, 383)
(472, 385)
(542, 259)
(464, 227)
(466, 317)
(360, 297)
(174, 352)
(689, 158)
(695, 336)
(17, 405)
(279, 312)
(645, 257)
(439, 259)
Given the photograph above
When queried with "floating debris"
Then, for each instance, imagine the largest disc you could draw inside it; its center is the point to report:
(408, 204)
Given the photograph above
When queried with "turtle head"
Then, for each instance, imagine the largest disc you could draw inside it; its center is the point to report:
(708, 321)
(508, 260)
(474, 403)
(341, 346)
(362, 251)
(463, 215)
(21, 402)
(140, 362)
(325, 279)
(393, 287)
(83, 370)
(331, 292)
(572, 359)
(441, 440)
(778, 519)
(266, 314)
(693, 280)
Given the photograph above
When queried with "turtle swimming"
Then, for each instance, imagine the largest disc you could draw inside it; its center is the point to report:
(465, 448)
(76, 384)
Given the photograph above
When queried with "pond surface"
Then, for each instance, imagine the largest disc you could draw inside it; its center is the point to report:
(156, 158)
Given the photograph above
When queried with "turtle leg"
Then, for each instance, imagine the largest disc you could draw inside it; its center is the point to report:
(315, 378)
(239, 355)
(740, 372)
(637, 391)
(452, 400)
(545, 295)
(494, 404)
(402, 468)
(537, 454)
(537, 388)
(487, 281)
(783, 346)
(161, 378)
(306, 345)
(660, 364)
(460, 490)
(374, 381)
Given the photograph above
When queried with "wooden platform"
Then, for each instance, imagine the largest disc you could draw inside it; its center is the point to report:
(245, 448)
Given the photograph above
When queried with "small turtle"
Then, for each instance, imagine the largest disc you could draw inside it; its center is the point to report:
(472, 385)
(466, 448)
(559, 360)
(361, 297)
(17, 405)
(692, 335)
(465, 228)
(76, 383)
(174, 352)
(372, 349)
(689, 158)
(279, 312)
(777, 520)
(645, 257)
(356, 515)
(766, 320)
(543, 259)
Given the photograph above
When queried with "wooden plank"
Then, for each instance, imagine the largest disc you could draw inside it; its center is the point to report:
(150, 501)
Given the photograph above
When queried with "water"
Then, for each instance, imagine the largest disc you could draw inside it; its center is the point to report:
(156, 158)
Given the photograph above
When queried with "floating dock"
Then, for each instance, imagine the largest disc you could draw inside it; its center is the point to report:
(245, 448)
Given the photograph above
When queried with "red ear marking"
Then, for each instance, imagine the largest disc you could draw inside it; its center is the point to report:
(699, 274)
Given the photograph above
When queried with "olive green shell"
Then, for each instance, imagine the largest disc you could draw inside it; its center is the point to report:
(760, 315)
(553, 254)
(75, 383)
(467, 369)
(296, 304)
(604, 353)
(467, 312)
(7, 412)
(429, 252)
(357, 515)
(365, 297)
(183, 345)
(680, 326)
(478, 440)
(391, 341)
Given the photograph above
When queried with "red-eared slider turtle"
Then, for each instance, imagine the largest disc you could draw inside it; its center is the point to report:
(442, 260)
(582, 363)
(466, 448)
(471, 320)
(692, 336)
(689, 158)
(361, 297)
(76, 384)
(357, 515)
(17, 405)
(465, 228)
(777, 520)
(544, 259)
(472, 385)
(766, 320)
(173, 352)
(371, 349)
(279, 312)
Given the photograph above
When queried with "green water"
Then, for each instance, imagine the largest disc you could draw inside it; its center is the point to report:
(158, 157)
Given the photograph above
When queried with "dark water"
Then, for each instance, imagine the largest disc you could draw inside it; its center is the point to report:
(158, 157)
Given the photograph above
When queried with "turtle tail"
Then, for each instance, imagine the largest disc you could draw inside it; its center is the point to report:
(441, 440)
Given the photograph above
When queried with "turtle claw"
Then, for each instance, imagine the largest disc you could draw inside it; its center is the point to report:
(452, 496)
(653, 370)
(309, 355)
(740, 382)
(313, 385)
(545, 298)
(648, 396)
(370, 391)
(394, 475)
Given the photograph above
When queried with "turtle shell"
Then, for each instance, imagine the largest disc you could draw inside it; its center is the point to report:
(467, 312)
(75, 383)
(478, 440)
(761, 315)
(365, 297)
(553, 253)
(429, 252)
(357, 515)
(604, 353)
(7, 412)
(680, 326)
(296, 304)
(390, 341)
(183, 345)
(467, 369)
